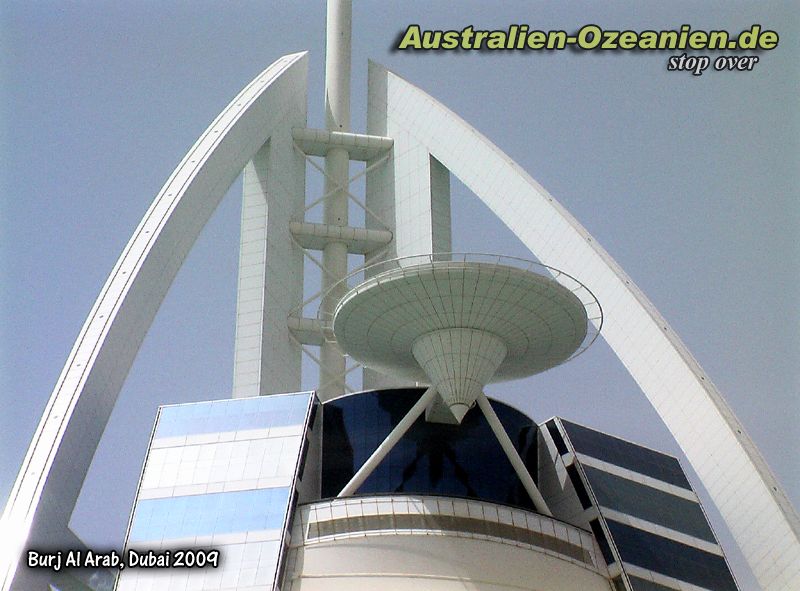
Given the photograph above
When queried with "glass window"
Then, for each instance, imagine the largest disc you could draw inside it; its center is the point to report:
(201, 515)
(600, 536)
(627, 455)
(577, 484)
(265, 455)
(671, 558)
(258, 412)
(552, 428)
(649, 504)
(366, 523)
(456, 460)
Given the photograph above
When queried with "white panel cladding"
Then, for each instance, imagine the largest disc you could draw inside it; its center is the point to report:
(358, 240)
(410, 194)
(320, 522)
(380, 200)
(58, 458)
(317, 142)
(722, 454)
(380, 552)
(441, 235)
(266, 361)
(246, 566)
(218, 475)
(459, 362)
(261, 462)
(435, 563)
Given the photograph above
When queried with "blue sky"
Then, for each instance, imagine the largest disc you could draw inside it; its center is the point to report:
(690, 183)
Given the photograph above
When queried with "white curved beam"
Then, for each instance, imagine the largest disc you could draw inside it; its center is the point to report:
(48, 484)
(723, 455)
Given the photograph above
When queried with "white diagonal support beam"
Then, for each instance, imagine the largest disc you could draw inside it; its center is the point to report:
(513, 455)
(391, 440)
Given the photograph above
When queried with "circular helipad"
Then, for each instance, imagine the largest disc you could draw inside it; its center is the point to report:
(540, 322)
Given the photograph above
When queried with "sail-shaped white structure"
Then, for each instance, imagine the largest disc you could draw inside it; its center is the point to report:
(412, 146)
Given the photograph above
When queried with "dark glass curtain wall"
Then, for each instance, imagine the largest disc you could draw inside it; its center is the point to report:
(455, 460)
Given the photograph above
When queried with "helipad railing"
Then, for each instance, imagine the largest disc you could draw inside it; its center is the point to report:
(376, 273)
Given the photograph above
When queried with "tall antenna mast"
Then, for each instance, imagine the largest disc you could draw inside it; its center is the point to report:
(337, 65)
(337, 174)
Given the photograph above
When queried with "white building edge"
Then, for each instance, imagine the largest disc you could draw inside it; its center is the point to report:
(413, 143)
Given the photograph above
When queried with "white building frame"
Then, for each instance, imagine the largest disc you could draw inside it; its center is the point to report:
(410, 189)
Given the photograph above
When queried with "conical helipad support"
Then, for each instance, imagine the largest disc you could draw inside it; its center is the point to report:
(459, 363)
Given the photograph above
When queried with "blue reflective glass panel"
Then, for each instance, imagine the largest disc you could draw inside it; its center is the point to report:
(200, 515)
(627, 455)
(649, 504)
(671, 558)
(258, 412)
(432, 458)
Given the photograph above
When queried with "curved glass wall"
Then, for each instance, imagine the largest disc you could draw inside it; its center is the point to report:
(432, 458)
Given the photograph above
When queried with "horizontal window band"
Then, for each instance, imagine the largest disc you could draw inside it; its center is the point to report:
(446, 523)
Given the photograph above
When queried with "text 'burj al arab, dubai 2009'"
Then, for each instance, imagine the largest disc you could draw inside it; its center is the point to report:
(412, 145)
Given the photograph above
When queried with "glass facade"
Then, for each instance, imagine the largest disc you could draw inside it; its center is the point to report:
(223, 416)
(648, 503)
(653, 526)
(625, 454)
(209, 514)
(432, 458)
(219, 475)
(225, 475)
(671, 558)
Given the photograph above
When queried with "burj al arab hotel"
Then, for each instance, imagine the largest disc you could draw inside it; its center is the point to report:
(417, 479)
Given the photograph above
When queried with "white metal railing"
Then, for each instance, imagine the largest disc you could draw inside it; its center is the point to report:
(370, 275)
